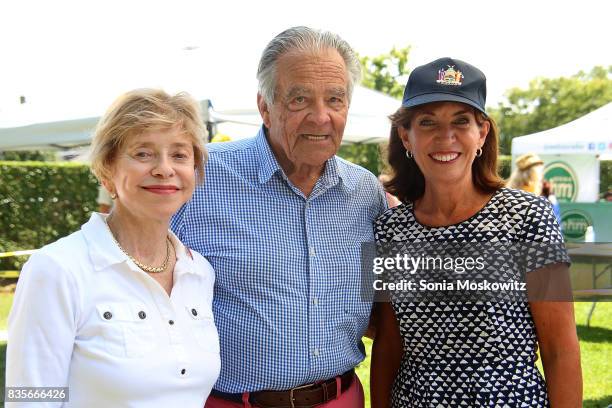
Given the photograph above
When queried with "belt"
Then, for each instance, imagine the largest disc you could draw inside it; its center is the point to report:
(305, 396)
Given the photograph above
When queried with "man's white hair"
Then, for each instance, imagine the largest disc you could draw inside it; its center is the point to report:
(303, 39)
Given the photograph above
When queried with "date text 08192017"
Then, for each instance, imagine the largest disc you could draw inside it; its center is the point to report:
(36, 394)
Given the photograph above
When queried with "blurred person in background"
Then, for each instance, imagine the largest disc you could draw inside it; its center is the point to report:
(547, 191)
(528, 174)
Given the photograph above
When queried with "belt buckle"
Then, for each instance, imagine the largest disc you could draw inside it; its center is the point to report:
(291, 399)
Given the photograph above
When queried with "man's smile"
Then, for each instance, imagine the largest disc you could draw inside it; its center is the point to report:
(314, 138)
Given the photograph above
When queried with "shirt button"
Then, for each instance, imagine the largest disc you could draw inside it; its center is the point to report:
(142, 314)
(108, 315)
(312, 251)
(194, 312)
(183, 371)
(315, 301)
(316, 352)
(170, 322)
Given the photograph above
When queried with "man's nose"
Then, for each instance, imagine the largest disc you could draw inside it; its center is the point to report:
(320, 113)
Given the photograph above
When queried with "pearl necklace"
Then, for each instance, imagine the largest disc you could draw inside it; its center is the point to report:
(146, 268)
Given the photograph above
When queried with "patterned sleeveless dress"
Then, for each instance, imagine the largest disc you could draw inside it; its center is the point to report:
(479, 354)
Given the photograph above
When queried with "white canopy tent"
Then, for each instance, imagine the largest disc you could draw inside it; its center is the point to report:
(589, 134)
(62, 134)
(232, 110)
(571, 154)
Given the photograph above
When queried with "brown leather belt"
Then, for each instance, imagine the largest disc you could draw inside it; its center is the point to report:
(305, 396)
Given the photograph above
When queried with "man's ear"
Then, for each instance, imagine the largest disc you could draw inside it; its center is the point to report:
(263, 110)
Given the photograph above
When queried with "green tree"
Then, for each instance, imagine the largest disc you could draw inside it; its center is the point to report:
(27, 155)
(388, 72)
(551, 102)
(367, 155)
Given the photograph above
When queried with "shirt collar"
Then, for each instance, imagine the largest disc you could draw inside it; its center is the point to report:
(104, 251)
(185, 262)
(268, 165)
(348, 178)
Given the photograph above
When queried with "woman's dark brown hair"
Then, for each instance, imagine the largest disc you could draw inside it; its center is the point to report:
(406, 179)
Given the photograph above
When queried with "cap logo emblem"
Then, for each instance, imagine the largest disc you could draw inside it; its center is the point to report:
(449, 76)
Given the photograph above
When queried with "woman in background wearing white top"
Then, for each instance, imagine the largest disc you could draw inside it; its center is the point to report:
(120, 312)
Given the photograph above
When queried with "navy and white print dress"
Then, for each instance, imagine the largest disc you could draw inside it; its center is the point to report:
(479, 354)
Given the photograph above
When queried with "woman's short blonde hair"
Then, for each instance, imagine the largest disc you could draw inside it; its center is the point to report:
(142, 110)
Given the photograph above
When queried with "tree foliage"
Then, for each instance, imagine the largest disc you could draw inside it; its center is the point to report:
(367, 155)
(27, 155)
(551, 102)
(41, 202)
(386, 73)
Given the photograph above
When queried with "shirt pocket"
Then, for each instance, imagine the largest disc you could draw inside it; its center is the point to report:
(127, 329)
(203, 327)
(356, 315)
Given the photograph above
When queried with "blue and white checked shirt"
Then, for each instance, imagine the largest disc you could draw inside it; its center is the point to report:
(287, 293)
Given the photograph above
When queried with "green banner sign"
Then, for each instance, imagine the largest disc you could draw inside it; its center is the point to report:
(576, 217)
(563, 179)
(575, 223)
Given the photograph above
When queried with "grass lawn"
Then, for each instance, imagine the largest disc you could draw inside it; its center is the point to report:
(595, 346)
(6, 300)
(596, 353)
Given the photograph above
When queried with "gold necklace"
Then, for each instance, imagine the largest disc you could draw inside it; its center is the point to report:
(146, 268)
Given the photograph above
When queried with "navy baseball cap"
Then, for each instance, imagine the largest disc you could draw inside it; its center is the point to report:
(446, 80)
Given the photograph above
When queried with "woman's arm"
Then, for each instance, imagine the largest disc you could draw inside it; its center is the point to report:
(42, 327)
(559, 348)
(386, 356)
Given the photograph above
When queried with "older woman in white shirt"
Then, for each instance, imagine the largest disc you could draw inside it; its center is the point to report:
(120, 312)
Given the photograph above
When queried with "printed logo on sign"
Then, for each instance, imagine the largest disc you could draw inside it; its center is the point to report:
(575, 224)
(564, 181)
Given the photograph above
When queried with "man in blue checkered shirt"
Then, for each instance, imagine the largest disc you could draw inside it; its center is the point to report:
(281, 219)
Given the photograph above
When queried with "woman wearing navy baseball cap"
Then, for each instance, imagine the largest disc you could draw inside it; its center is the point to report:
(450, 352)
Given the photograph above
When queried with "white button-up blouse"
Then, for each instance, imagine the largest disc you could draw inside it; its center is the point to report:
(86, 317)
